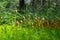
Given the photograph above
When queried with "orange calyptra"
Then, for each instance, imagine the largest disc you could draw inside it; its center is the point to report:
(23, 18)
(21, 21)
(47, 23)
(42, 22)
(17, 23)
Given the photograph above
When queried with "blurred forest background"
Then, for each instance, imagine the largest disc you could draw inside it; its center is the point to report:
(49, 9)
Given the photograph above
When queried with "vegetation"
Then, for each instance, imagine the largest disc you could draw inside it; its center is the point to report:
(8, 32)
(32, 22)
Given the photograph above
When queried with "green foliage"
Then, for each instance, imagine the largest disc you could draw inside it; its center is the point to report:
(14, 27)
(8, 32)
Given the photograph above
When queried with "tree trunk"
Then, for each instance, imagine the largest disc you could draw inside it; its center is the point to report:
(48, 3)
(21, 6)
(33, 5)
